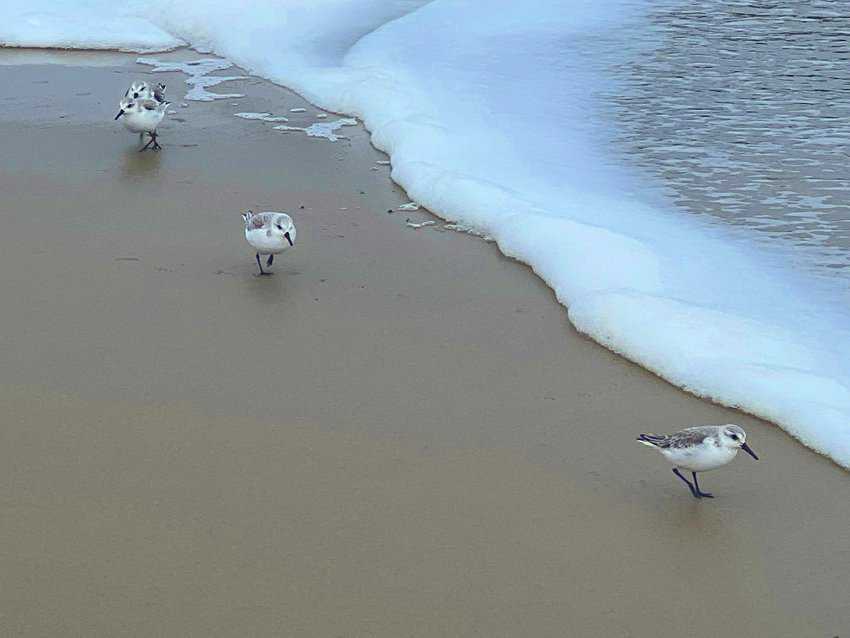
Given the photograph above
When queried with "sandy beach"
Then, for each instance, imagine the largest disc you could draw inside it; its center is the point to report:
(398, 434)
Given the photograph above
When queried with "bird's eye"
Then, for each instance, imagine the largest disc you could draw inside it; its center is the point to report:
(734, 437)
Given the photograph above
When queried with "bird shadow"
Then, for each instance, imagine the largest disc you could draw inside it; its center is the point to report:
(267, 290)
(140, 164)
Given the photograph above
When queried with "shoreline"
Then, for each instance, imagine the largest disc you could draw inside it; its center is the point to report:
(398, 434)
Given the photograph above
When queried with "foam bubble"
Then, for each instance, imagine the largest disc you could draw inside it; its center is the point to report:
(326, 130)
(199, 79)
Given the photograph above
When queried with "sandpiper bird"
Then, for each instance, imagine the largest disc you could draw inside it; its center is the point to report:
(143, 116)
(699, 449)
(269, 233)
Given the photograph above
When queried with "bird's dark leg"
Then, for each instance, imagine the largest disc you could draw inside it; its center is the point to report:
(156, 145)
(271, 259)
(690, 486)
(700, 493)
(145, 147)
(260, 265)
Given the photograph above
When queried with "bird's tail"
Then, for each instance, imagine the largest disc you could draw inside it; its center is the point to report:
(247, 215)
(652, 440)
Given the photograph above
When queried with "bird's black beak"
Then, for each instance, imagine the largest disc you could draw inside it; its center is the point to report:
(749, 451)
(120, 113)
(288, 238)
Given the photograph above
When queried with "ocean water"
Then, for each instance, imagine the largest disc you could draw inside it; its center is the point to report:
(742, 111)
(583, 138)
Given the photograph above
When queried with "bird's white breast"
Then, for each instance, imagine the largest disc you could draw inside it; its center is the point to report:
(145, 121)
(265, 241)
(700, 458)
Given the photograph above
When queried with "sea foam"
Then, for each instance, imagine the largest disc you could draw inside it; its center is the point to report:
(199, 79)
(489, 114)
(61, 24)
(325, 130)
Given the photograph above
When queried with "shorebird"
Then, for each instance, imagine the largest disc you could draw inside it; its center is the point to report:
(143, 116)
(700, 449)
(269, 233)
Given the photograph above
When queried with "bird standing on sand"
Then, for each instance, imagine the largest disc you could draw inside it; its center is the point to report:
(143, 116)
(269, 233)
(699, 449)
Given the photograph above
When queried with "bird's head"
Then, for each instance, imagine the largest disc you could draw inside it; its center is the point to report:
(137, 89)
(283, 225)
(733, 436)
(125, 105)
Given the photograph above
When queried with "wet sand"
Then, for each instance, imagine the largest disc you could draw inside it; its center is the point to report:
(398, 434)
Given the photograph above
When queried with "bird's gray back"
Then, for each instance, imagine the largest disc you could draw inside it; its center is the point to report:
(261, 220)
(690, 437)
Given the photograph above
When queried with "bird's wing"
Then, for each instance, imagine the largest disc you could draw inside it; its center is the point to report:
(260, 220)
(688, 437)
(149, 105)
(655, 440)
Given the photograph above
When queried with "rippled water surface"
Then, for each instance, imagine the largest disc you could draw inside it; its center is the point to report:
(742, 111)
